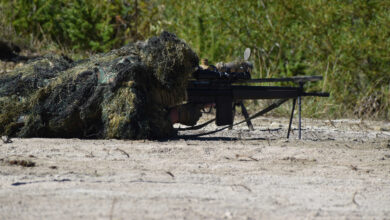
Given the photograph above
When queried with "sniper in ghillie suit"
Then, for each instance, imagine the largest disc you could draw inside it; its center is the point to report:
(138, 91)
(127, 93)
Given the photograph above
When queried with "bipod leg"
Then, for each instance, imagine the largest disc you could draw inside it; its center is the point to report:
(291, 118)
(246, 115)
(299, 117)
(300, 110)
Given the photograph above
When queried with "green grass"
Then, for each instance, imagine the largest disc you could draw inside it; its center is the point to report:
(347, 42)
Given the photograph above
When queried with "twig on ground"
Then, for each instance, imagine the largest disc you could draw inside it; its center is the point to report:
(123, 152)
(170, 174)
(243, 158)
(331, 123)
(354, 199)
(353, 167)
(243, 186)
(90, 155)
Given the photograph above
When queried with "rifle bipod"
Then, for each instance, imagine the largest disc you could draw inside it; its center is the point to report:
(258, 114)
(271, 107)
(299, 117)
(301, 84)
(247, 119)
(246, 115)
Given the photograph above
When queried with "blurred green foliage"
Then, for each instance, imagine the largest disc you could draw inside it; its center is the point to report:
(95, 25)
(348, 42)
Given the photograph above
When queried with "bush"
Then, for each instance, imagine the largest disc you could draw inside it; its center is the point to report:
(345, 41)
(95, 25)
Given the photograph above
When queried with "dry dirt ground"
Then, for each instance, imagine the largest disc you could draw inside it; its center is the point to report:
(339, 170)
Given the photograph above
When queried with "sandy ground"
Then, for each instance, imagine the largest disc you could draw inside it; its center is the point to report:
(339, 170)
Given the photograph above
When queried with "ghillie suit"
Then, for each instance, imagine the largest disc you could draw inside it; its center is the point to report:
(235, 66)
(123, 94)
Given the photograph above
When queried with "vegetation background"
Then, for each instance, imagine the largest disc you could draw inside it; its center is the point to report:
(348, 41)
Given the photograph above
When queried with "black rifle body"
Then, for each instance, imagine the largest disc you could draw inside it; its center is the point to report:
(225, 92)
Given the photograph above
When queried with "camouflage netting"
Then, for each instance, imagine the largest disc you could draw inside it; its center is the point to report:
(124, 94)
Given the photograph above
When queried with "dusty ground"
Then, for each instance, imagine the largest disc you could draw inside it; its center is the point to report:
(339, 170)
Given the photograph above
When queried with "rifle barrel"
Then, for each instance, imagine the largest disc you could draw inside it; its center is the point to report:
(264, 92)
(296, 79)
(238, 92)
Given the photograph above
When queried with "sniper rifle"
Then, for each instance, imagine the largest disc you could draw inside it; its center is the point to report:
(228, 90)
